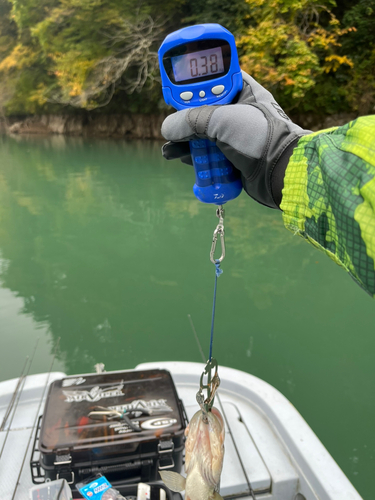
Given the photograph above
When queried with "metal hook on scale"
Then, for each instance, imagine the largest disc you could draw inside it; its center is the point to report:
(219, 231)
(211, 387)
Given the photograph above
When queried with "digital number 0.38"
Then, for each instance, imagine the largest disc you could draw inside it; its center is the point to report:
(203, 67)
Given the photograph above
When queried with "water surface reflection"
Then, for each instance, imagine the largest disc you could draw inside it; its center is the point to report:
(103, 244)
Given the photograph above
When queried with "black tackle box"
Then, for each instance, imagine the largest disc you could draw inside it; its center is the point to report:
(145, 435)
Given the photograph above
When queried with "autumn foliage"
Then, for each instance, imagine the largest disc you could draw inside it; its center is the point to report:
(313, 55)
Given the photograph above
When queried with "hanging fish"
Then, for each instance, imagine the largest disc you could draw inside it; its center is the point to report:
(204, 453)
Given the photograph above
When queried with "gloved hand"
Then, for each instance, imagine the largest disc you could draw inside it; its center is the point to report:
(254, 134)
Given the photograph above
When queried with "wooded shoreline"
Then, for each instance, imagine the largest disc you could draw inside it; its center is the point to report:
(87, 60)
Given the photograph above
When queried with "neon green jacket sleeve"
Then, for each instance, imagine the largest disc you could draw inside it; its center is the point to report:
(329, 196)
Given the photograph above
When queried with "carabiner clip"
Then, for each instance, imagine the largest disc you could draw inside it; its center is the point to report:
(218, 231)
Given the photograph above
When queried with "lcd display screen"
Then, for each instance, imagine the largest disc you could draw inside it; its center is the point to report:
(198, 64)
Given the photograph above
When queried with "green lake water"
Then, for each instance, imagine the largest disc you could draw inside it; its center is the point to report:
(103, 244)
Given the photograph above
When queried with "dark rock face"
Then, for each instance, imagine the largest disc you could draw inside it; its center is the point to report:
(134, 126)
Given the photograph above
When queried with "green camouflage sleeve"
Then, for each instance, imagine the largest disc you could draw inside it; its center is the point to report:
(329, 196)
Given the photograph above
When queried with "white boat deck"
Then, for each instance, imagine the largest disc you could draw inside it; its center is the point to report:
(268, 445)
(16, 441)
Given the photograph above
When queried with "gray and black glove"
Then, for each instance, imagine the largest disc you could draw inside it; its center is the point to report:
(254, 134)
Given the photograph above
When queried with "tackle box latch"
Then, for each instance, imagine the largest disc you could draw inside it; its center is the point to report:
(63, 459)
(68, 475)
(62, 462)
(165, 450)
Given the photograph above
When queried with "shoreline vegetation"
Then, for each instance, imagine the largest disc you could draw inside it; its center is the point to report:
(90, 67)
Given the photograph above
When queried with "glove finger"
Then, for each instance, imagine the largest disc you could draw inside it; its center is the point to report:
(177, 150)
(243, 128)
(176, 128)
(188, 124)
(187, 160)
(253, 91)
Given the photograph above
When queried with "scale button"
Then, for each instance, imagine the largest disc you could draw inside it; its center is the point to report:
(202, 93)
(186, 96)
(218, 89)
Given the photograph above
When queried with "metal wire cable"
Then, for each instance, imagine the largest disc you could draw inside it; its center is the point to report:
(218, 272)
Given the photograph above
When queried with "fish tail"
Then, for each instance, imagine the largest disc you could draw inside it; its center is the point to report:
(173, 480)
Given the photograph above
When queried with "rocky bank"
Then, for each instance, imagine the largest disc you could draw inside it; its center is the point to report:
(134, 126)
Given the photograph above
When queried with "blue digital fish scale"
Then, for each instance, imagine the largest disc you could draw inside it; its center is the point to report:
(199, 66)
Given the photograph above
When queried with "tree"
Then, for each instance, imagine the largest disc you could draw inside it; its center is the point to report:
(289, 44)
(79, 53)
(128, 61)
(314, 56)
(233, 15)
(361, 46)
